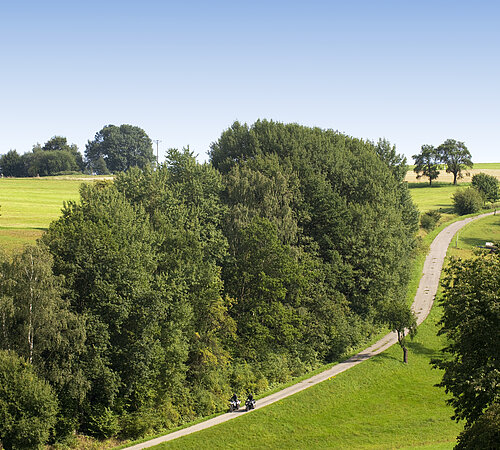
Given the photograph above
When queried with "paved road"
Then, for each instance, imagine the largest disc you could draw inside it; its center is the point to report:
(422, 305)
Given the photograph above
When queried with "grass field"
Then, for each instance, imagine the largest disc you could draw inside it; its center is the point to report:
(474, 235)
(381, 403)
(28, 205)
(439, 196)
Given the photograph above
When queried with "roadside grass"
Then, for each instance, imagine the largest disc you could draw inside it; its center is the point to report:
(476, 234)
(28, 205)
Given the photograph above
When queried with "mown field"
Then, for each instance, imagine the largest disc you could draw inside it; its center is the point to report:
(28, 205)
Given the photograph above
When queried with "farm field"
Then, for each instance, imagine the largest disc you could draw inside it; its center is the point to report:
(28, 205)
(488, 168)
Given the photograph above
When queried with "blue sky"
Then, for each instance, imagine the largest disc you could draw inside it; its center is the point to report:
(413, 72)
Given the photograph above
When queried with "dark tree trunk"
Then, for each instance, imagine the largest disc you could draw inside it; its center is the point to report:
(454, 178)
(405, 355)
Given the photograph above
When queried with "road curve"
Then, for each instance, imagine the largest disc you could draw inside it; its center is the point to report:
(422, 305)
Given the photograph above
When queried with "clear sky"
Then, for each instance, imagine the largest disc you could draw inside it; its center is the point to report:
(414, 72)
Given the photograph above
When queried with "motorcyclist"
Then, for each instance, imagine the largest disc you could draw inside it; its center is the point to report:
(234, 403)
(250, 402)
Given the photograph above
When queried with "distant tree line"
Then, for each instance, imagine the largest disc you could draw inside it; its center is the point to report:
(114, 149)
(155, 296)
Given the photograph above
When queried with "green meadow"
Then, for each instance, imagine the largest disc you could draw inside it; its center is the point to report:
(28, 205)
(438, 196)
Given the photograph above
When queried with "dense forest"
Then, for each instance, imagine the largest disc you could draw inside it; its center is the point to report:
(157, 295)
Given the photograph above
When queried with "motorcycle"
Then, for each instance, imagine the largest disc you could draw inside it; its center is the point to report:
(249, 404)
(234, 405)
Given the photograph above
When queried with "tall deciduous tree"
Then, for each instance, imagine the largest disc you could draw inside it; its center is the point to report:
(471, 324)
(121, 148)
(456, 157)
(427, 163)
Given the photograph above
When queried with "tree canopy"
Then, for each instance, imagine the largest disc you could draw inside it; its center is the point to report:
(487, 185)
(427, 163)
(172, 287)
(455, 156)
(55, 156)
(471, 324)
(120, 147)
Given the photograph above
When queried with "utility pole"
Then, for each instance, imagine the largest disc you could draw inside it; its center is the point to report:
(157, 142)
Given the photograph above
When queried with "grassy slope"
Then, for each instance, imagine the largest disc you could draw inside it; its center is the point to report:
(439, 196)
(28, 205)
(475, 234)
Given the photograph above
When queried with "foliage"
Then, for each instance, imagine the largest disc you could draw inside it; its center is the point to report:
(281, 255)
(395, 161)
(402, 320)
(121, 148)
(487, 185)
(56, 156)
(11, 164)
(427, 163)
(456, 156)
(429, 219)
(484, 433)
(467, 201)
(471, 324)
(28, 406)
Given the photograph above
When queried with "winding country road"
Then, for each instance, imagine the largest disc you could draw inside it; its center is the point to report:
(422, 305)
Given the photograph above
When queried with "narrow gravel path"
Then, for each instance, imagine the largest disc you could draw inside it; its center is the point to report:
(422, 305)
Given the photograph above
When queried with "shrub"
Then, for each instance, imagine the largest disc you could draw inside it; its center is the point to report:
(429, 220)
(467, 201)
(103, 423)
(28, 405)
(487, 185)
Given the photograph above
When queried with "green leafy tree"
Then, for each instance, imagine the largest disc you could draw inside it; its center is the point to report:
(427, 163)
(96, 246)
(60, 143)
(36, 322)
(12, 165)
(487, 185)
(471, 325)
(456, 157)
(121, 148)
(467, 201)
(347, 201)
(402, 320)
(28, 406)
(484, 433)
(395, 161)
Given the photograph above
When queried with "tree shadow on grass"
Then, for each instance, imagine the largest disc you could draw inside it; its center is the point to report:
(419, 349)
